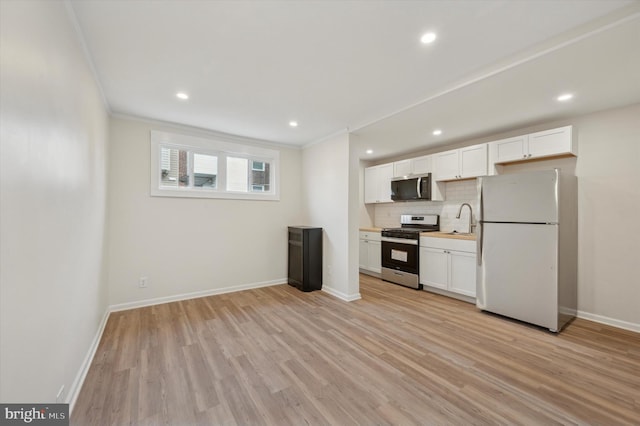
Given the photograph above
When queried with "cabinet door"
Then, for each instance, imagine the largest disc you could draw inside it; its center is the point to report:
(447, 165)
(402, 168)
(422, 165)
(550, 142)
(473, 161)
(371, 188)
(433, 267)
(364, 254)
(511, 149)
(374, 254)
(385, 174)
(462, 273)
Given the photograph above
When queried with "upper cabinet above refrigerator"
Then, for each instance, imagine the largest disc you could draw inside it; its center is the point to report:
(547, 143)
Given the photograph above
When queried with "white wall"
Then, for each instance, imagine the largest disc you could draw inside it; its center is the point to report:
(52, 203)
(189, 245)
(608, 171)
(328, 184)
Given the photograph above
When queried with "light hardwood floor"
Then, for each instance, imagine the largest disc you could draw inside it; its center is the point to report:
(278, 356)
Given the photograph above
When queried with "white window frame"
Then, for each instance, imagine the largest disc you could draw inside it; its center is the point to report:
(221, 150)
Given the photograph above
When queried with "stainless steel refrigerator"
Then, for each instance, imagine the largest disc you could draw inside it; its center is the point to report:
(527, 247)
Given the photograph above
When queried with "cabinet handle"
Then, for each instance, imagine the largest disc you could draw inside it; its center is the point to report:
(524, 156)
(529, 155)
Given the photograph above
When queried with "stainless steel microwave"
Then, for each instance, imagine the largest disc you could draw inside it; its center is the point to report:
(411, 188)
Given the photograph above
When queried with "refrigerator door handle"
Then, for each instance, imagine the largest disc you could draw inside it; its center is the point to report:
(480, 220)
(479, 245)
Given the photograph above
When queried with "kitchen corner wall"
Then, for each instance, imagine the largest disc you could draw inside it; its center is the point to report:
(387, 215)
(330, 181)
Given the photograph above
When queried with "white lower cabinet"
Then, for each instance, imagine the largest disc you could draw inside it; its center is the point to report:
(448, 264)
(370, 252)
(434, 267)
(462, 272)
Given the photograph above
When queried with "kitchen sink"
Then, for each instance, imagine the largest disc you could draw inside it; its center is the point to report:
(458, 233)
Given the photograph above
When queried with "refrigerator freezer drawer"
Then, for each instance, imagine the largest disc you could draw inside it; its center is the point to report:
(518, 273)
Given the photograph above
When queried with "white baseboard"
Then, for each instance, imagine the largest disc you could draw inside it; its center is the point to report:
(341, 295)
(609, 321)
(193, 295)
(74, 391)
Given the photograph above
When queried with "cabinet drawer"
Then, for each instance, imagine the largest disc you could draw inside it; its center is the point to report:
(373, 236)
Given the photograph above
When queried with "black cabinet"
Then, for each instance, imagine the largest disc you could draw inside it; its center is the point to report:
(305, 257)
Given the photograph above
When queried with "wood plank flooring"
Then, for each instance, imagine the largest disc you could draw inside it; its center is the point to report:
(278, 356)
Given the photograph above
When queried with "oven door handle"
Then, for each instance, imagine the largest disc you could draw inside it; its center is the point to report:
(399, 241)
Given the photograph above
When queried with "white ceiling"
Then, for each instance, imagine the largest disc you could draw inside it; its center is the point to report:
(250, 67)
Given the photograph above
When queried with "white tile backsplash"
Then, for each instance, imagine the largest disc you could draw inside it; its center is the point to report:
(387, 215)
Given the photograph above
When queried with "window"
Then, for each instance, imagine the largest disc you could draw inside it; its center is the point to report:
(205, 170)
(187, 166)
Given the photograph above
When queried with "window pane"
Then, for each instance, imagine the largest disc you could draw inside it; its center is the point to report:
(173, 167)
(260, 176)
(237, 174)
(205, 170)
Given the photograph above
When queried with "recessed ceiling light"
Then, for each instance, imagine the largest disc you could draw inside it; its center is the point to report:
(428, 38)
(565, 97)
(293, 123)
(437, 132)
(369, 151)
(182, 95)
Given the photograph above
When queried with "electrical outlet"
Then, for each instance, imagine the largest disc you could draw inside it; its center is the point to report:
(60, 395)
(143, 282)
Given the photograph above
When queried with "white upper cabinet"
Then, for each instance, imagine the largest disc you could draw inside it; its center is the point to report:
(402, 168)
(447, 165)
(463, 163)
(377, 183)
(552, 142)
(413, 166)
(473, 161)
(547, 143)
(511, 149)
(422, 165)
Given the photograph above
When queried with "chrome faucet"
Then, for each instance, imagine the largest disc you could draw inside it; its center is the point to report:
(471, 224)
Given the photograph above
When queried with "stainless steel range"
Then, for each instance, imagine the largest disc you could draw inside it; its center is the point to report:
(401, 248)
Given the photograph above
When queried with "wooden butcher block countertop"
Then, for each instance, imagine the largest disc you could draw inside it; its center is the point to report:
(471, 237)
(371, 229)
